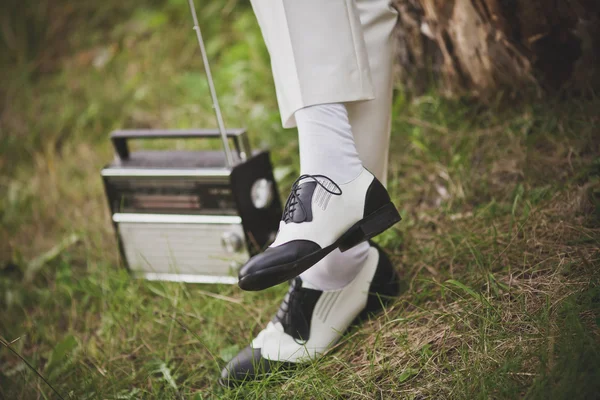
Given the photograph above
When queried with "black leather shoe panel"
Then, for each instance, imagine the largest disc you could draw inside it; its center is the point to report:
(248, 364)
(276, 264)
(384, 287)
(377, 197)
(303, 210)
(296, 310)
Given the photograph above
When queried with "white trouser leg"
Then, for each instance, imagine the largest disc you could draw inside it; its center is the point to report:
(371, 121)
(318, 53)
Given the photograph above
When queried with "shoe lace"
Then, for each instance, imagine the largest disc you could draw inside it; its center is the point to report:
(290, 313)
(283, 315)
(294, 201)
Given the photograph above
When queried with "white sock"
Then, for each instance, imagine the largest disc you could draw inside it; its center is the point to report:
(337, 269)
(326, 143)
(327, 148)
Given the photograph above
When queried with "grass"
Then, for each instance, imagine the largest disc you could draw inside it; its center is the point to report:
(498, 246)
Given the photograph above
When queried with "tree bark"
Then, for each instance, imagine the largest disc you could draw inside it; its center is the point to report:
(482, 46)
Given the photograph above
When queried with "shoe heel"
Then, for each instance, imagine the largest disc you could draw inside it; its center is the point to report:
(371, 226)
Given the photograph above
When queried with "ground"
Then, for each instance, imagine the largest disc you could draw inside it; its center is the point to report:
(498, 247)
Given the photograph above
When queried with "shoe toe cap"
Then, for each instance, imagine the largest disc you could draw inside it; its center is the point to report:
(247, 365)
(275, 264)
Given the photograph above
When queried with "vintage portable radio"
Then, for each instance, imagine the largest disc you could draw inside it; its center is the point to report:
(186, 215)
(191, 216)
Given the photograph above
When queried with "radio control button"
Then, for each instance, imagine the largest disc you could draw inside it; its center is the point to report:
(231, 242)
(262, 193)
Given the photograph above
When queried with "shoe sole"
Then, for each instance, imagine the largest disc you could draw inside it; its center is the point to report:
(365, 229)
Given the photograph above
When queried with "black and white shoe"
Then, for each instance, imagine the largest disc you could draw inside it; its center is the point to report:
(319, 217)
(311, 321)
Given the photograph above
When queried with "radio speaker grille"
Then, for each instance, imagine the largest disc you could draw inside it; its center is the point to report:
(176, 248)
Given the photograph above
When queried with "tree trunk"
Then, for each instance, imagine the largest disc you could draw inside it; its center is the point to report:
(481, 46)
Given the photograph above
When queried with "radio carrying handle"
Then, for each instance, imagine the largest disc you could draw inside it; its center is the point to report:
(211, 85)
(240, 139)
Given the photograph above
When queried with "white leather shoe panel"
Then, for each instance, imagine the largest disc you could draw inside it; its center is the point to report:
(333, 313)
(332, 215)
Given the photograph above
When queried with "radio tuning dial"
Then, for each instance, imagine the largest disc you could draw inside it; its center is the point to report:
(261, 193)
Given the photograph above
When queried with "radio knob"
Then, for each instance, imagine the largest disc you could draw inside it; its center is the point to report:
(261, 193)
(231, 242)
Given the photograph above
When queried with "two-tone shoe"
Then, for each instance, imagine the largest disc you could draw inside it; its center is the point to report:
(320, 216)
(311, 321)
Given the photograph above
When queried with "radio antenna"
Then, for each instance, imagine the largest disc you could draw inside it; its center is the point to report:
(211, 85)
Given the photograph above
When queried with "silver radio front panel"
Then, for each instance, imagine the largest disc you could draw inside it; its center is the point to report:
(191, 248)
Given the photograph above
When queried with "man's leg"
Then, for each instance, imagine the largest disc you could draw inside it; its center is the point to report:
(335, 52)
(370, 122)
(319, 55)
(322, 69)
